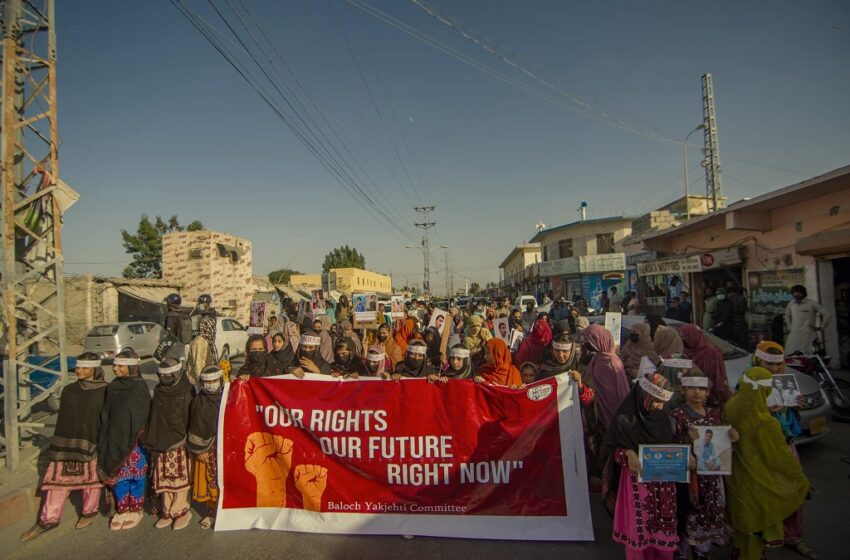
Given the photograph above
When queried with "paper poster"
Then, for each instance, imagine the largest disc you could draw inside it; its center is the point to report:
(365, 311)
(438, 320)
(322, 455)
(664, 463)
(397, 307)
(713, 450)
(502, 329)
(785, 391)
(317, 303)
(516, 339)
(613, 321)
(257, 319)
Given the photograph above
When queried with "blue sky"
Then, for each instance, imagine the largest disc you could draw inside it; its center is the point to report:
(153, 120)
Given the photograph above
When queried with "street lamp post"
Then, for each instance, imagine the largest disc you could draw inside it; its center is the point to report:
(685, 158)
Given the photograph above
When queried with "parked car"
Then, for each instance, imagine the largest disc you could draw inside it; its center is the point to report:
(524, 299)
(814, 417)
(230, 337)
(108, 340)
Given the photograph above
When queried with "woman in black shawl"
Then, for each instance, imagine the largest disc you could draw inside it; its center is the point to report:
(644, 512)
(307, 358)
(432, 339)
(282, 351)
(415, 364)
(347, 364)
(165, 439)
(460, 365)
(201, 440)
(73, 449)
(258, 363)
(122, 462)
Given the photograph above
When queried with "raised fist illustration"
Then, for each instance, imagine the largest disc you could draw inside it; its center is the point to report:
(269, 458)
(311, 481)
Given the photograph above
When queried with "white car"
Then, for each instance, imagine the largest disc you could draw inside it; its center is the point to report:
(230, 337)
(814, 417)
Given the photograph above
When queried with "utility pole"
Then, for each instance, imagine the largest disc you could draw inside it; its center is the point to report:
(426, 247)
(448, 275)
(713, 187)
(33, 308)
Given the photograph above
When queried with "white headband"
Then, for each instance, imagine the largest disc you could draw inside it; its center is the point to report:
(755, 383)
(308, 340)
(88, 363)
(681, 363)
(772, 358)
(212, 375)
(459, 353)
(658, 392)
(562, 345)
(173, 369)
(417, 349)
(695, 382)
(376, 357)
(126, 362)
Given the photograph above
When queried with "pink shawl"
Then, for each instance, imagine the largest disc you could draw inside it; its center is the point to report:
(709, 360)
(606, 373)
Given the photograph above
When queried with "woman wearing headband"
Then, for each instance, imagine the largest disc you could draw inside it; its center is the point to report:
(415, 363)
(165, 439)
(377, 362)
(644, 512)
(122, 462)
(308, 359)
(767, 484)
(459, 365)
(771, 356)
(73, 449)
(704, 516)
(201, 440)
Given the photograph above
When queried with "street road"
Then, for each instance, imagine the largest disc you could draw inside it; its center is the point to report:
(825, 530)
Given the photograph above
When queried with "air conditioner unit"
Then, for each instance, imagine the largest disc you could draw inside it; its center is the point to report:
(196, 254)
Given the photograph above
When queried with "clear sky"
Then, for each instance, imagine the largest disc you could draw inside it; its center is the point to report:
(154, 120)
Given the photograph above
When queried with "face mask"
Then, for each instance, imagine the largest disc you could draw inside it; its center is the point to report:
(256, 356)
(414, 361)
(383, 336)
(634, 337)
(720, 297)
(309, 354)
(167, 379)
(372, 366)
(343, 358)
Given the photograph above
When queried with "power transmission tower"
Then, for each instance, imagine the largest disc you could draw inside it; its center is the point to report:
(33, 201)
(713, 187)
(426, 247)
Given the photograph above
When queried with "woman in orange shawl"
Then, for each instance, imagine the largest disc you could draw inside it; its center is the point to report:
(404, 334)
(498, 368)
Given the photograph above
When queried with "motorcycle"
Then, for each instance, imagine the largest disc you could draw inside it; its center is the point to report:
(838, 390)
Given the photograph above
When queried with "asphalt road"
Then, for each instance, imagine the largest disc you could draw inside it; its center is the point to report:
(825, 519)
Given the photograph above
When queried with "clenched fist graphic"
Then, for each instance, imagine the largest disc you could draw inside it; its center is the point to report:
(269, 458)
(311, 481)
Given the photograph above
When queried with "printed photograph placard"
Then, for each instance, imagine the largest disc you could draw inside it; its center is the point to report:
(664, 463)
(502, 329)
(785, 391)
(365, 310)
(713, 450)
(438, 320)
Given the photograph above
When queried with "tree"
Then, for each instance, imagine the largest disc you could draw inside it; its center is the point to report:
(344, 257)
(281, 276)
(146, 245)
(474, 288)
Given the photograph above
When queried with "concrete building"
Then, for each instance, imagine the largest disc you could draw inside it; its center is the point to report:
(582, 258)
(346, 280)
(305, 280)
(214, 263)
(514, 268)
(799, 234)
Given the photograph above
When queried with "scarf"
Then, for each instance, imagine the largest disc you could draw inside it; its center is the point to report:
(404, 334)
(606, 373)
(533, 346)
(767, 482)
(285, 356)
(382, 364)
(203, 420)
(666, 342)
(632, 352)
(551, 368)
(709, 360)
(474, 343)
(262, 366)
(125, 412)
(168, 422)
(207, 332)
(353, 365)
(78, 424)
(501, 371)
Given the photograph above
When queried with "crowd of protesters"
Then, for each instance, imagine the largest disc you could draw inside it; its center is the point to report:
(655, 388)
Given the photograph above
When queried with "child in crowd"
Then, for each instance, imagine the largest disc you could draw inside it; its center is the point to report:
(201, 440)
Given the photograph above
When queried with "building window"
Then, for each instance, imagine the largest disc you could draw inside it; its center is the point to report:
(545, 253)
(565, 248)
(604, 243)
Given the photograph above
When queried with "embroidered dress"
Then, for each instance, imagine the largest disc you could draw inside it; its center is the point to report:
(60, 478)
(171, 471)
(645, 515)
(129, 484)
(705, 520)
(205, 487)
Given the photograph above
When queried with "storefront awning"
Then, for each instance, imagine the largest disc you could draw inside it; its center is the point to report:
(833, 242)
(153, 294)
(294, 295)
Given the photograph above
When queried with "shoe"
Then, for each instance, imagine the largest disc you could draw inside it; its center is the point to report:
(132, 519)
(208, 522)
(117, 521)
(163, 523)
(84, 522)
(183, 521)
(33, 532)
(800, 548)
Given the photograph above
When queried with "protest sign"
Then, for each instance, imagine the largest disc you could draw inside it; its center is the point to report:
(664, 463)
(458, 459)
(257, 319)
(365, 311)
(713, 450)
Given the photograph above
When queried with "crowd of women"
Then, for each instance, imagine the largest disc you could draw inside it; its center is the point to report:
(656, 389)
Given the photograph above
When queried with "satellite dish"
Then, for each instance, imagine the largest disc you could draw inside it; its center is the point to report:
(540, 226)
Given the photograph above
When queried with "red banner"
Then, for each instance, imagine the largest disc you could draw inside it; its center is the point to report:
(408, 457)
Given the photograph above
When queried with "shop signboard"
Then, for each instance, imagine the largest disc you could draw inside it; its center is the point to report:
(681, 265)
(602, 263)
(769, 295)
(559, 267)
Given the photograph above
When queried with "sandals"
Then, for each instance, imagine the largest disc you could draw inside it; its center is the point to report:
(163, 523)
(33, 532)
(117, 521)
(802, 549)
(208, 522)
(84, 522)
(132, 519)
(183, 521)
